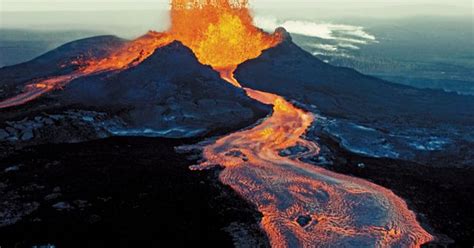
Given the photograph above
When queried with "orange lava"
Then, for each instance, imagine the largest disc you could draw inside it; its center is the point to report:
(130, 55)
(344, 211)
(220, 32)
(35, 90)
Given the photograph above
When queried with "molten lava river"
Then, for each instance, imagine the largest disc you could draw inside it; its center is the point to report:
(302, 205)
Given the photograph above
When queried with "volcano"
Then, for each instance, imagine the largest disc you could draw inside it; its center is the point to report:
(251, 107)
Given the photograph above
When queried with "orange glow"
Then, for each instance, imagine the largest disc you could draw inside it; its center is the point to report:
(220, 32)
(132, 54)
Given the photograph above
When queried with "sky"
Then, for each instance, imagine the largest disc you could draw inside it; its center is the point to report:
(137, 16)
(88, 5)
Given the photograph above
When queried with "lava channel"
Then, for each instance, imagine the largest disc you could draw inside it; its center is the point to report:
(304, 205)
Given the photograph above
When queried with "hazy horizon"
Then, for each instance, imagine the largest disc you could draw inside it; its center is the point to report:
(150, 14)
(91, 5)
(129, 18)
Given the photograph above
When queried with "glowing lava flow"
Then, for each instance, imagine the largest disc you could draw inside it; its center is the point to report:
(127, 56)
(340, 211)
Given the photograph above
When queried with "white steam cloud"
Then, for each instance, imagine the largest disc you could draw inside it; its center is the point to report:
(325, 47)
(339, 35)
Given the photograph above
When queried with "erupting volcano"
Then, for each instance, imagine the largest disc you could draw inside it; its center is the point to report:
(220, 33)
(302, 205)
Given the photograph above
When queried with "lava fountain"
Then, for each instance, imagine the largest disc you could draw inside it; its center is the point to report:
(302, 205)
(220, 32)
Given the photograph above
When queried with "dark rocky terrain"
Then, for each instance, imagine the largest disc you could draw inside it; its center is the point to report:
(119, 192)
(170, 94)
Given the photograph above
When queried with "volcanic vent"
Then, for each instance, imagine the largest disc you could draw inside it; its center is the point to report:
(221, 32)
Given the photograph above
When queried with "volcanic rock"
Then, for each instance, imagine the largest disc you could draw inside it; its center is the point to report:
(52, 196)
(12, 168)
(62, 206)
(294, 150)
